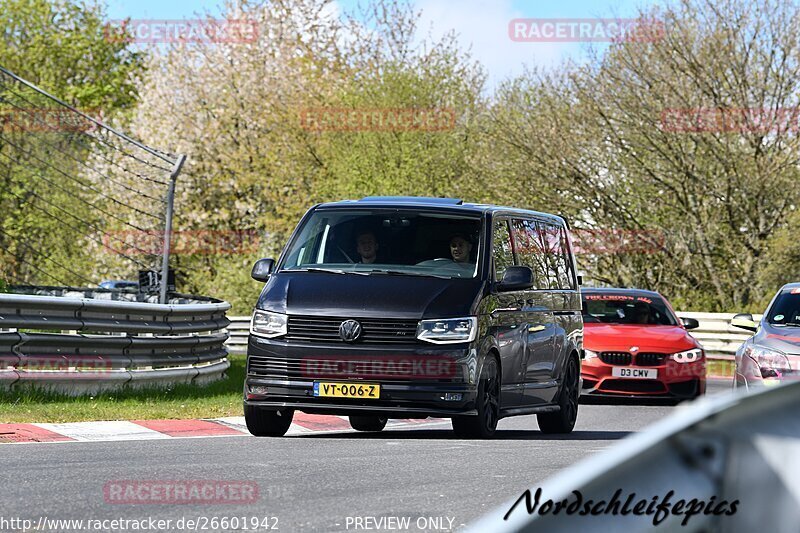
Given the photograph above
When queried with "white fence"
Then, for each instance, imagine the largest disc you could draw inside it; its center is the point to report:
(715, 333)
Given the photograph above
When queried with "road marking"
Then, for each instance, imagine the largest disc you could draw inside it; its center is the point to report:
(232, 426)
(103, 431)
(19, 433)
(188, 428)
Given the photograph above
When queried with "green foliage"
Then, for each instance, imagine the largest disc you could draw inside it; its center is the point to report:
(592, 143)
(63, 48)
(186, 400)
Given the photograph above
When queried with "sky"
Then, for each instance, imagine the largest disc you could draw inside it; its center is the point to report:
(482, 25)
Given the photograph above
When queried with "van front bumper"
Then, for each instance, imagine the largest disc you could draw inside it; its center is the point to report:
(416, 381)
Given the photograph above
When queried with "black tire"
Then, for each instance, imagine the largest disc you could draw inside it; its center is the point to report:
(265, 423)
(368, 423)
(563, 420)
(484, 425)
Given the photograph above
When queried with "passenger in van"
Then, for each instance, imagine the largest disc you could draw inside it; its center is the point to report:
(460, 248)
(367, 246)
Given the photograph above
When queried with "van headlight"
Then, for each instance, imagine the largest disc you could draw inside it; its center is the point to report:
(689, 356)
(267, 324)
(448, 330)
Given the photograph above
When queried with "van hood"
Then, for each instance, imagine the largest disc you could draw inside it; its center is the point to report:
(621, 337)
(374, 295)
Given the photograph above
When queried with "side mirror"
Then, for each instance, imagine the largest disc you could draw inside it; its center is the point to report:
(745, 321)
(516, 278)
(262, 269)
(690, 323)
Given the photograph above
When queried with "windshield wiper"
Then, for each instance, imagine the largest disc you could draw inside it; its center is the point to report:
(328, 270)
(792, 324)
(401, 273)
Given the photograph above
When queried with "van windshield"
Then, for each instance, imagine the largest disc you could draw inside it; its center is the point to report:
(386, 241)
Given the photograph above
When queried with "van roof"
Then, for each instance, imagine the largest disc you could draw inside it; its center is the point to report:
(450, 204)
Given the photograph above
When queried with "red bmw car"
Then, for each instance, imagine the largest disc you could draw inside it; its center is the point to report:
(635, 345)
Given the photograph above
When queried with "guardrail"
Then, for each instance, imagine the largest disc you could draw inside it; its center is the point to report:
(82, 341)
(238, 331)
(715, 333)
(718, 337)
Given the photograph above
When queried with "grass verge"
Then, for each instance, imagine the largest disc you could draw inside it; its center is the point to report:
(221, 398)
(720, 368)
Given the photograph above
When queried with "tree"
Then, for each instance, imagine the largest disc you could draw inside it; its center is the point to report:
(711, 194)
(62, 47)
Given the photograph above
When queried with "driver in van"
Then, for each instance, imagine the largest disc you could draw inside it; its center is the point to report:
(460, 248)
(367, 246)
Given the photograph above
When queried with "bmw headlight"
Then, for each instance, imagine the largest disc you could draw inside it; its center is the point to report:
(448, 330)
(771, 363)
(689, 356)
(589, 354)
(267, 324)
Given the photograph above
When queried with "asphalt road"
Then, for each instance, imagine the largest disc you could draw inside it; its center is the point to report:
(330, 482)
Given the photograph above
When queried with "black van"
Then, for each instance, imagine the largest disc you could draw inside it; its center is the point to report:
(401, 307)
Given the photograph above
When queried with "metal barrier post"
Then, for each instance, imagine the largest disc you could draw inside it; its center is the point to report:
(173, 177)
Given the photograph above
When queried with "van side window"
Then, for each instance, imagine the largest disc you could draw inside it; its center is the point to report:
(559, 262)
(569, 271)
(503, 251)
(531, 248)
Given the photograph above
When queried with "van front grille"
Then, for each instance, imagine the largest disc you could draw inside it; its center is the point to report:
(368, 368)
(318, 329)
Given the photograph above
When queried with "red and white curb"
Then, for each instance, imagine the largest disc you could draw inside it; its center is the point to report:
(302, 424)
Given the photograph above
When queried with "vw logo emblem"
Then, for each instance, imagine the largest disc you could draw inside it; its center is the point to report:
(349, 330)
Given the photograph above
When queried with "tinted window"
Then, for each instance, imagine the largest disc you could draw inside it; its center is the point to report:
(531, 251)
(618, 308)
(502, 252)
(559, 262)
(543, 248)
(380, 240)
(786, 309)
